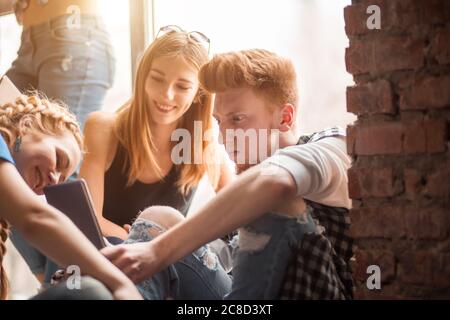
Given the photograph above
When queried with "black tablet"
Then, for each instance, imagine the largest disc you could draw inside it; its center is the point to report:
(74, 200)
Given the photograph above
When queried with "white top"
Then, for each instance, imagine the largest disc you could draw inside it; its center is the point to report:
(319, 170)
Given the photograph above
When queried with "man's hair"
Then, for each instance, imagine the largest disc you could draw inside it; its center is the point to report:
(264, 72)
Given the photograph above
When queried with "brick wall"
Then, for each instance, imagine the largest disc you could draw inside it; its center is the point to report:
(400, 177)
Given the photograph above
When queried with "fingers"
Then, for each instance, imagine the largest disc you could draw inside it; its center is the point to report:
(123, 259)
(133, 272)
(127, 227)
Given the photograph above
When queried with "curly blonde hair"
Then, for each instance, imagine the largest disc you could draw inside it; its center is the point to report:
(36, 112)
(33, 112)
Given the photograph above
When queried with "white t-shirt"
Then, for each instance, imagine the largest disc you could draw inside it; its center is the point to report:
(319, 169)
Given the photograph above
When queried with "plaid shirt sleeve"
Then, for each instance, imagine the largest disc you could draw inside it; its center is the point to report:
(320, 268)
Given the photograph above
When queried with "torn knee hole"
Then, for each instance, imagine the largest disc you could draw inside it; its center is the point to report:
(252, 241)
(209, 259)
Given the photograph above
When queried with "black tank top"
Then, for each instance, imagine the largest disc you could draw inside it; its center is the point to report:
(122, 204)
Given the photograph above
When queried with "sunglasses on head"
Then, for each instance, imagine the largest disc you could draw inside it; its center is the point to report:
(196, 36)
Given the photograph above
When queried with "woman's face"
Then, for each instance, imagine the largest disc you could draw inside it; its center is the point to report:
(171, 87)
(44, 160)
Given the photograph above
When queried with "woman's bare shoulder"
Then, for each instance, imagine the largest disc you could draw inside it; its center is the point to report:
(99, 134)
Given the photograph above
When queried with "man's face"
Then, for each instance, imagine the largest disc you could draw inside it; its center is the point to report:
(246, 123)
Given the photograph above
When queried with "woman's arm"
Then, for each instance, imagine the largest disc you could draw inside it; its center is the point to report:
(101, 147)
(54, 234)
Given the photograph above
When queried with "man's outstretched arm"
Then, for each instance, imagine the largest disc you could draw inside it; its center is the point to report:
(250, 196)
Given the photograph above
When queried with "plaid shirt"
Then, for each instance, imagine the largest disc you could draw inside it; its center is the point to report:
(320, 268)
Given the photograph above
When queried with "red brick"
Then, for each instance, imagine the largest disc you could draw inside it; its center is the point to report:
(387, 292)
(355, 19)
(405, 15)
(428, 223)
(380, 222)
(372, 98)
(412, 179)
(377, 182)
(425, 268)
(436, 135)
(441, 273)
(383, 258)
(379, 138)
(398, 52)
(354, 189)
(356, 60)
(414, 138)
(440, 48)
(438, 183)
(429, 92)
(351, 136)
(384, 224)
(386, 53)
(397, 15)
(416, 267)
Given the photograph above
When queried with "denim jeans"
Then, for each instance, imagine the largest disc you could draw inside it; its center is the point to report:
(263, 250)
(198, 276)
(75, 65)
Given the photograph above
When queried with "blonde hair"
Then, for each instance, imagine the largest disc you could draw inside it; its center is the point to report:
(133, 128)
(264, 72)
(33, 112)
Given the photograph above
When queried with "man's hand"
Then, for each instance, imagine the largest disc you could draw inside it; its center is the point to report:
(138, 260)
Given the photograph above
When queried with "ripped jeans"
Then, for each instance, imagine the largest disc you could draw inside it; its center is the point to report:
(262, 252)
(198, 276)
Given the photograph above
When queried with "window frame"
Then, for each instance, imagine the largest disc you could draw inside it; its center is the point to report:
(142, 30)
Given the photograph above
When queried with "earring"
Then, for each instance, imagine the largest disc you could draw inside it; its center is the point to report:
(17, 144)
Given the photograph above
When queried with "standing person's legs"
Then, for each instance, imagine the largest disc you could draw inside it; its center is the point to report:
(74, 64)
(21, 72)
(263, 250)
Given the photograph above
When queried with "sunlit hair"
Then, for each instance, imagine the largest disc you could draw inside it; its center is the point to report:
(28, 114)
(266, 73)
(37, 113)
(134, 128)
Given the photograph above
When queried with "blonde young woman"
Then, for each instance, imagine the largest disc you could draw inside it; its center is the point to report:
(129, 165)
(40, 144)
